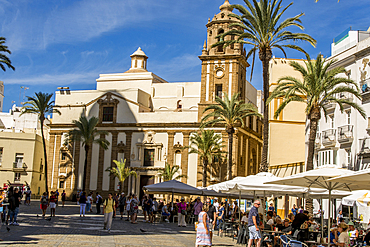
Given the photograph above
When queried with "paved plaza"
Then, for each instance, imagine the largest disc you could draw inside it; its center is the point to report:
(68, 229)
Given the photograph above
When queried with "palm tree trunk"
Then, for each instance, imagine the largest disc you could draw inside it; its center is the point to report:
(230, 132)
(205, 166)
(314, 118)
(121, 186)
(265, 57)
(85, 167)
(45, 157)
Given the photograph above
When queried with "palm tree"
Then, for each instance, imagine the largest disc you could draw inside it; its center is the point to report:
(169, 172)
(87, 133)
(319, 87)
(261, 27)
(41, 105)
(207, 145)
(230, 113)
(121, 172)
(4, 60)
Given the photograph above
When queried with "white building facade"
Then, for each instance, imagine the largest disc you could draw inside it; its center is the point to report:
(343, 138)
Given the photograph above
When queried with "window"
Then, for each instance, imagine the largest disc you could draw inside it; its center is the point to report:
(179, 105)
(331, 121)
(148, 157)
(17, 177)
(251, 122)
(220, 48)
(64, 156)
(61, 184)
(232, 45)
(108, 113)
(19, 160)
(219, 90)
(1, 155)
(41, 166)
(38, 190)
(348, 157)
(348, 117)
(40, 177)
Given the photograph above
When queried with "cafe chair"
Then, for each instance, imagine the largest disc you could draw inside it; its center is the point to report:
(287, 242)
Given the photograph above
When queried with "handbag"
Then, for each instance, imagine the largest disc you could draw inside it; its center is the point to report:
(183, 212)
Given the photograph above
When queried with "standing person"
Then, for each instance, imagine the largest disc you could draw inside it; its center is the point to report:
(44, 202)
(253, 224)
(78, 196)
(203, 235)
(212, 217)
(52, 204)
(149, 206)
(144, 206)
(197, 208)
(181, 214)
(343, 239)
(221, 216)
(63, 198)
(300, 210)
(271, 208)
(236, 211)
(83, 201)
(18, 199)
(89, 202)
(339, 216)
(28, 196)
(98, 201)
(12, 206)
(134, 206)
(294, 210)
(122, 204)
(155, 208)
(128, 203)
(56, 197)
(109, 208)
(216, 204)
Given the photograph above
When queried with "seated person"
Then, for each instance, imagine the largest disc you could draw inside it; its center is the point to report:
(244, 219)
(279, 225)
(334, 234)
(165, 212)
(367, 237)
(270, 221)
(352, 232)
(287, 227)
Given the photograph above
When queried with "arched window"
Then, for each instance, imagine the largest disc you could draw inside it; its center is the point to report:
(179, 105)
(220, 47)
(232, 38)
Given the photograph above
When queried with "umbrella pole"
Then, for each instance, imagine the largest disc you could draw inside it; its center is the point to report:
(349, 211)
(172, 202)
(240, 198)
(322, 219)
(329, 218)
(264, 206)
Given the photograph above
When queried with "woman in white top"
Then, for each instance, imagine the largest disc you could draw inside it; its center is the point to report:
(128, 202)
(343, 239)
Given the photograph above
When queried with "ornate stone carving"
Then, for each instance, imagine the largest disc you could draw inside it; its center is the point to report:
(149, 137)
(178, 147)
(121, 147)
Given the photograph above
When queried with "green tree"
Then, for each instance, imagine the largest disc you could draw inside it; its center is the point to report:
(230, 113)
(320, 86)
(4, 60)
(41, 104)
(262, 28)
(87, 133)
(121, 172)
(169, 172)
(207, 145)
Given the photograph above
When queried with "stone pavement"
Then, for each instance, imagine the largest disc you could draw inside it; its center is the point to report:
(68, 229)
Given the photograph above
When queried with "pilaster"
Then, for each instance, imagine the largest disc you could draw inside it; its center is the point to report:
(113, 157)
(185, 156)
(170, 153)
(127, 154)
(101, 171)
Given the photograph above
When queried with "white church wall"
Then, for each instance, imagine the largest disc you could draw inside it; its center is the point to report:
(94, 166)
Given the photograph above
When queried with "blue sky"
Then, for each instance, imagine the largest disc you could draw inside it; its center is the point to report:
(69, 43)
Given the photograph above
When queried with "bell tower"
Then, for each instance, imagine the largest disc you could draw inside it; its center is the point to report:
(223, 69)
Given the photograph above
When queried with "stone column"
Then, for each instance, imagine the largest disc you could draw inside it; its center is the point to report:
(170, 153)
(76, 165)
(185, 156)
(235, 154)
(113, 157)
(50, 158)
(56, 162)
(101, 171)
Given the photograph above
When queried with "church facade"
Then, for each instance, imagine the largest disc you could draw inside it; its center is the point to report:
(149, 121)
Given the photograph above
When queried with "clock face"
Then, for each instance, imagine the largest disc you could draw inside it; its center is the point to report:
(219, 73)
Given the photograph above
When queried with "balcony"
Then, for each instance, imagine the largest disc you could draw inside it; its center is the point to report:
(345, 134)
(364, 148)
(19, 166)
(329, 106)
(365, 89)
(329, 137)
(345, 96)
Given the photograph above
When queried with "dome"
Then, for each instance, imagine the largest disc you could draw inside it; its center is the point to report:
(226, 6)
